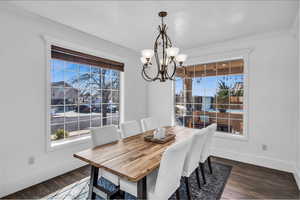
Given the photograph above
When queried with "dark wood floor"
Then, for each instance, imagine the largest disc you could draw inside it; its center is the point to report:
(252, 182)
(245, 182)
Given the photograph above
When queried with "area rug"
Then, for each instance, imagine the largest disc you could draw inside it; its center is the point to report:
(213, 188)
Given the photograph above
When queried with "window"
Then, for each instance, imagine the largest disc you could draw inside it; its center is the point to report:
(85, 93)
(211, 93)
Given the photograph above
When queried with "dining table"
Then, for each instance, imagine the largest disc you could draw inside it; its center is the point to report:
(130, 158)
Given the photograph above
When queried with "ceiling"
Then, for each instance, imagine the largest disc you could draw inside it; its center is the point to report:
(133, 24)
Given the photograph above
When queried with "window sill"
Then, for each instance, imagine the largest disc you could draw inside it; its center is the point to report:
(231, 136)
(52, 146)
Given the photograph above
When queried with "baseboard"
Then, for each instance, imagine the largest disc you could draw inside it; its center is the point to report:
(297, 177)
(38, 177)
(255, 160)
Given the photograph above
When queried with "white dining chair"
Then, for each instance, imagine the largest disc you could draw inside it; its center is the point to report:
(165, 180)
(149, 124)
(130, 128)
(101, 136)
(205, 154)
(191, 162)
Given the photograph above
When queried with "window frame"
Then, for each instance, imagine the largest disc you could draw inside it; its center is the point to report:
(85, 139)
(220, 57)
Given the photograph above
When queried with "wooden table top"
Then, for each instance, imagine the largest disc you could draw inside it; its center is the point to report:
(132, 158)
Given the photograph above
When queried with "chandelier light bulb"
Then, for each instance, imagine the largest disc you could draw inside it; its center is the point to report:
(143, 60)
(147, 53)
(172, 51)
(168, 59)
(181, 57)
(161, 61)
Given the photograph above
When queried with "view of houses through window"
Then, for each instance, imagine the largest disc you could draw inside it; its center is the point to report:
(211, 93)
(82, 96)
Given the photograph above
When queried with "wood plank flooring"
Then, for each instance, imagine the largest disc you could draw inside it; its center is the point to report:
(245, 182)
(253, 182)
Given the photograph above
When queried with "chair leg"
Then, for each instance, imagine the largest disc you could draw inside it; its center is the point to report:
(198, 178)
(202, 172)
(188, 191)
(177, 194)
(209, 165)
(121, 194)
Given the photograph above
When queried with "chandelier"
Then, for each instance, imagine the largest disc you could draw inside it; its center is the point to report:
(166, 56)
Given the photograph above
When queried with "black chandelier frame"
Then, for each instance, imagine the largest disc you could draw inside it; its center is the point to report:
(162, 41)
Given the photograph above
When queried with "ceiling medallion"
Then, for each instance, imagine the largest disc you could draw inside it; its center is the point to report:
(166, 56)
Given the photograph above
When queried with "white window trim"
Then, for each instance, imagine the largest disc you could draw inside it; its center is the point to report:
(49, 40)
(223, 56)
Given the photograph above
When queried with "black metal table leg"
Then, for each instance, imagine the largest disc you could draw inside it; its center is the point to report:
(188, 190)
(202, 172)
(142, 188)
(178, 194)
(93, 182)
(198, 178)
(209, 165)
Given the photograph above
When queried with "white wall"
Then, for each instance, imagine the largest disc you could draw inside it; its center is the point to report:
(273, 100)
(23, 97)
